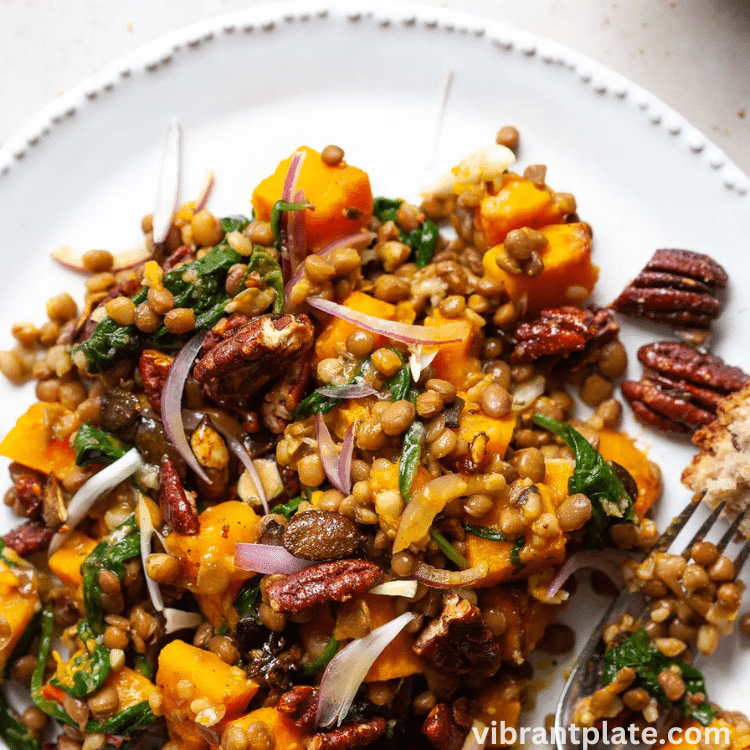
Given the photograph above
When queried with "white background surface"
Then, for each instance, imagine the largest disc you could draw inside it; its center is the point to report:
(693, 54)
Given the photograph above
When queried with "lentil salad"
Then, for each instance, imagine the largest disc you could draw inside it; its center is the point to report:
(335, 421)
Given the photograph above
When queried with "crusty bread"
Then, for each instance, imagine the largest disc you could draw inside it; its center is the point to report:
(722, 468)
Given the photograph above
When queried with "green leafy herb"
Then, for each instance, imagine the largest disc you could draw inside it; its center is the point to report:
(110, 554)
(87, 671)
(485, 532)
(449, 550)
(289, 508)
(234, 223)
(144, 666)
(13, 731)
(317, 403)
(411, 455)
(596, 479)
(638, 653)
(398, 386)
(328, 653)
(125, 722)
(515, 554)
(199, 285)
(93, 446)
(37, 678)
(248, 594)
(385, 209)
(268, 268)
(277, 211)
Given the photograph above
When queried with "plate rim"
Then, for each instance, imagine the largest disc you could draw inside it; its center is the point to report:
(155, 56)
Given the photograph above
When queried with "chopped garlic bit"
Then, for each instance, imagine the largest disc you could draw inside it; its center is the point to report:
(481, 165)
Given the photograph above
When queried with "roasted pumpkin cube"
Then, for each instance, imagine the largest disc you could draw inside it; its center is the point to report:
(131, 686)
(340, 193)
(66, 561)
(17, 608)
(455, 362)
(568, 276)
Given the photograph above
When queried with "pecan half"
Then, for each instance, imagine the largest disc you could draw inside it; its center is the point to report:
(32, 536)
(177, 506)
(154, 368)
(298, 705)
(350, 736)
(268, 349)
(561, 332)
(182, 253)
(441, 729)
(28, 486)
(680, 388)
(326, 582)
(675, 287)
(459, 640)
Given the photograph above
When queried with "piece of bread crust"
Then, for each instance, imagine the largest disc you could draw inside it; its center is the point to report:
(722, 468)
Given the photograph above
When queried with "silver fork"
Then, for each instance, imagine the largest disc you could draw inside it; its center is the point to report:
(586, 675)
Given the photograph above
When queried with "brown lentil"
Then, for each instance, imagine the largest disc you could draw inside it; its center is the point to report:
(404, 563)
(25, 333)
(180, 320)
(397, 417)
(48, 333)
(386, 362)
(62, 307)
(104, 703)
(722, 569)
(390, 288)
(574, 512)
(429, 404)
(478, 506)
(613, 360)
(23, 668)
(495, 401)
(332, 155)
(274, 621)
(508, 136)
(520, 244)
(115, 637)
(260, 233)
(310, 470)
(318, 269)
(453, 306)
(121, 310)
(745, 624)
(534, 265)
(203, 635)
(66, 743)
(34, 718)
(694, 577)
(444, 444)
(636, 699)
(729, 595)
(205, 229)
(146, 319)
(530, 464)
(235, 277)
(13, 367)
(224, 648)
(260, 736)
(96, 261)
(536, 173)
(163, 568)
(345, 260)
(704, 553)
(423, 703)
(595, 389)
(234, 738)
(109, 582)
(408, 217)
(160, 300)
(76, 708)
(672, 683)
(360, 343)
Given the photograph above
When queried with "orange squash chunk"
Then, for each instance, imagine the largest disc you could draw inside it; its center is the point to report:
(286, 733)
(497, 554)
(65, 563)
(454, 362)
(620, 448)
(29, 442)
(337, 330)
(518, 203)
(334, 190)
(15, 607)
(567, 263)
(131, 686)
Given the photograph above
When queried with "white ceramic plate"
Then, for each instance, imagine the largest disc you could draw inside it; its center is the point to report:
(251, 87)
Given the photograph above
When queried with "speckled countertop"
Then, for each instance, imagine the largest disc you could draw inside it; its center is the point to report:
(693, 54)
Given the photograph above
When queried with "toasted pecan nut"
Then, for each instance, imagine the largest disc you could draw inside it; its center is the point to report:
(335, 581)
(181, 254)
(682, 416)
(176, 505)
(350, 736)
(441, 730)
(154, 368)
(557, 332)
(267, 349)
(298, 705)
(28, 486)
(459, 640)
(680, 361)
(676, 288)
(32, 536)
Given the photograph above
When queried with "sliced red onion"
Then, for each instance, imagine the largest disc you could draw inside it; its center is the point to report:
(358, 241)
(328, 455)
(449, 579)
(298, 238)
(526, 393)
(240, 451)
(608, 561)
(447, 333)
(267, 559)
(168, 189)
(477, 736)
(171, 402)
(109, 477)
(147, 531)
(345, 461)
(73, 259)
(205, 192)
(419, 360)
(176, 620)
(348, 390)
(395, 588)
(290, 234)
(348, 669)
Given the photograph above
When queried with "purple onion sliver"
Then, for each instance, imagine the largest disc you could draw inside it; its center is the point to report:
(345, 461)
(349, 390)
(298, 248)
(239, 450)
(327, 451)
(168, 189)
(171, 402)
(286, 225)
(267, 559)
(608, 562)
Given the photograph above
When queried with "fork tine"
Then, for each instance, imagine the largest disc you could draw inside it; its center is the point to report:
(678, 523)
(742, 557)
(703, 530)
(732, 530)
